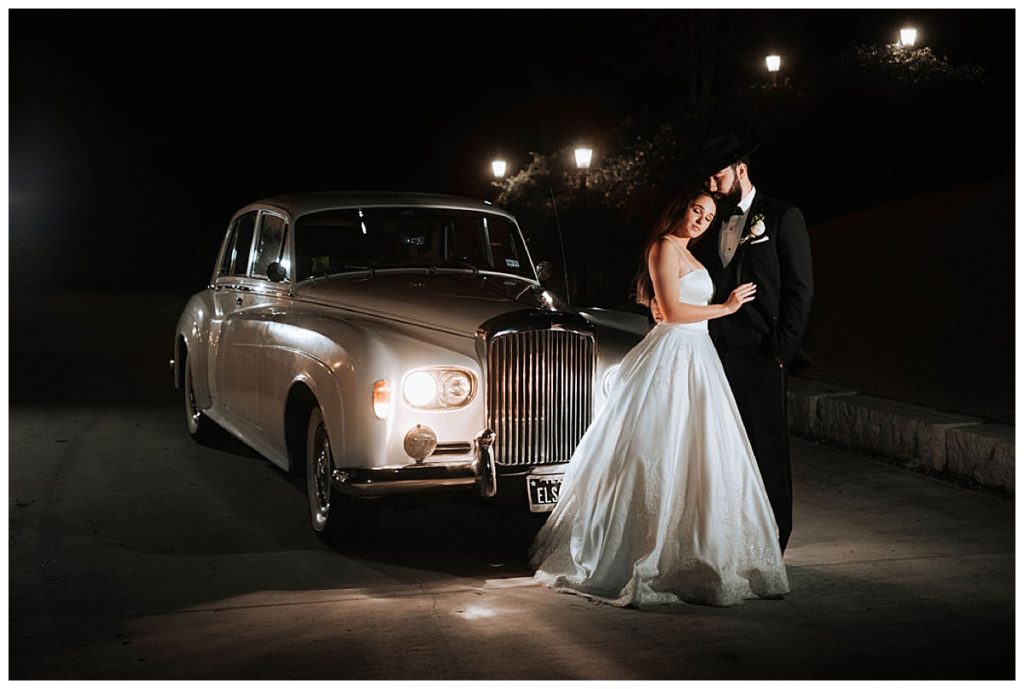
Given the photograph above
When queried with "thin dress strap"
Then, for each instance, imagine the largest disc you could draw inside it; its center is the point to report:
(681, 253)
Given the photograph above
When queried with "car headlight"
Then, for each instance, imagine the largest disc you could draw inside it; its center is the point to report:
(610, 376)
(438, 389)
(455, 388)
(419, 388)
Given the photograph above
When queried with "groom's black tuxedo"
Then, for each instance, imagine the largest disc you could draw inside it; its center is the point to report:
(780, 267)
(760, 341)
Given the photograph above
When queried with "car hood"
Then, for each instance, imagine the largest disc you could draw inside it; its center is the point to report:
(450, 301)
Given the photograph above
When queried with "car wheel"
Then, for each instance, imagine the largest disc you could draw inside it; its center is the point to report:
(340, 520)
(202, 429)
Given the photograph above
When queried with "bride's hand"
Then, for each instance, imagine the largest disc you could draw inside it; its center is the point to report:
(740, 296)
(656, 311)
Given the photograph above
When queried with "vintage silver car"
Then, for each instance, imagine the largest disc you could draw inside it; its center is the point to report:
(389, 343)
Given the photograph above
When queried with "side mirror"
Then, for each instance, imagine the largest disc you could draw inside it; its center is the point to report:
(544, 270)
(276, 272)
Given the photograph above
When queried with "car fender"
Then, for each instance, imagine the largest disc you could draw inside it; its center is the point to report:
(193, 329)
(340, 360)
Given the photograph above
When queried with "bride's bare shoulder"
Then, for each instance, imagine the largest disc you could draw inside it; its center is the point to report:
(665, 243)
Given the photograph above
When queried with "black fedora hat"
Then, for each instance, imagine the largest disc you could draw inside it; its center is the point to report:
(721, 152)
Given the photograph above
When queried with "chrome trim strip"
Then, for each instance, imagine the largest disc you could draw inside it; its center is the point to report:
(452, 449)
(405, 479)
(370, 488)
(270, 289)
(425, 270)
(480, 473)
(534, 319)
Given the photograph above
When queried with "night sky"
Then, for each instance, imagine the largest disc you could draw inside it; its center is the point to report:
(134, 135)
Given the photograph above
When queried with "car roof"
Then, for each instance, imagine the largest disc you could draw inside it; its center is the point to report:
(300, 204)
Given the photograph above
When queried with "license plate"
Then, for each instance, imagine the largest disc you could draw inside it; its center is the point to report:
(543, 491)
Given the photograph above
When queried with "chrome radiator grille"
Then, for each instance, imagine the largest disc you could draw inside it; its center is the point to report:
(539, 394)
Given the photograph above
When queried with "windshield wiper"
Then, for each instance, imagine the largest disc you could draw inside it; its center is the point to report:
(340, 270)
(455, 263)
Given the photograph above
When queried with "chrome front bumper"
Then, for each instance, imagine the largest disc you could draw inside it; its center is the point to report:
(479, 474)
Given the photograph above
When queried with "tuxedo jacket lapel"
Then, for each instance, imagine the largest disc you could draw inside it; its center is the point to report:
(741, 250)
(755, 208)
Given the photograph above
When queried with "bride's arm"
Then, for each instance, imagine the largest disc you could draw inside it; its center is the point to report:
(663, 263)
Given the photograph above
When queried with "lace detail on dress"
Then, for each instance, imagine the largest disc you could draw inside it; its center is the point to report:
(669, 370)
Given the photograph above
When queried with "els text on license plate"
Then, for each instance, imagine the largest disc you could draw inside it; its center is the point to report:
(543, 491)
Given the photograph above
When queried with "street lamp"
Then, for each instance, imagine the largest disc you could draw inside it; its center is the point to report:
(773, 62)
(908, 36)
(498, 168)
(583, 157)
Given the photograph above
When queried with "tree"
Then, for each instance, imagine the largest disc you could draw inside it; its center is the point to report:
(866, 126)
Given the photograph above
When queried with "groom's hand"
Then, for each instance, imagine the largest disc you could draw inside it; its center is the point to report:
(656, 312)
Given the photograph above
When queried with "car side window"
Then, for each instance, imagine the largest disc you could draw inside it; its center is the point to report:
(236, 256)
(268, 244)
(507, 252)
(463, 240)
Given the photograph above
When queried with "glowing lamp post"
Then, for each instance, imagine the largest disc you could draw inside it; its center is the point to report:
(773, 63)
(498, 168)
(583, 157)
(908, 37)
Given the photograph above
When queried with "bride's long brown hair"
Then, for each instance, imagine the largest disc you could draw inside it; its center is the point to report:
(673, 214)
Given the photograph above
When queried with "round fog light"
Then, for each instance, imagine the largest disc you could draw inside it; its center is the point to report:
(420, 442)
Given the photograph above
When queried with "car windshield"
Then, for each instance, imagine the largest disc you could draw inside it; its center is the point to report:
(340, 241)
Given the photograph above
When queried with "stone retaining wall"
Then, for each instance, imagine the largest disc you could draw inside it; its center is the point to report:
(915, 437)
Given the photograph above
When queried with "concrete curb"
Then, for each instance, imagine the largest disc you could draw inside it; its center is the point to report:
(913, 436)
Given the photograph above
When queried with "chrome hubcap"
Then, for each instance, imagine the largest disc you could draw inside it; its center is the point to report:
(322, 469)
(191, 408)
(193, 411)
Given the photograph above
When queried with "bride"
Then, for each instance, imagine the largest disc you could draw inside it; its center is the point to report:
(662, 501)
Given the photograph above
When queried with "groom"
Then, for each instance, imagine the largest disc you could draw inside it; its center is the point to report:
(763, 241)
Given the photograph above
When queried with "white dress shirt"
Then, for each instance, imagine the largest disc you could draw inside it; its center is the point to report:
(729, 239)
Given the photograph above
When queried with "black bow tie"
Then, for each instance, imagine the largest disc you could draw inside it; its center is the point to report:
(736, 210)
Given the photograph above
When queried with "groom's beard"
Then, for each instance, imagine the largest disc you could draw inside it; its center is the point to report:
(727, 202)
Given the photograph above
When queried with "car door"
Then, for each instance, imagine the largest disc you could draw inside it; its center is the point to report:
(237, 327)
(267, 298)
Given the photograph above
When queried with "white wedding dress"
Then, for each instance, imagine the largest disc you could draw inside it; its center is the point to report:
(662, 501)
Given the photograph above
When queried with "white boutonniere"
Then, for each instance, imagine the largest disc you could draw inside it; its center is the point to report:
(756, 235)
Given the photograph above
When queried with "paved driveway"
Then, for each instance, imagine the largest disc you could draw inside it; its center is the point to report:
(135, 553)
